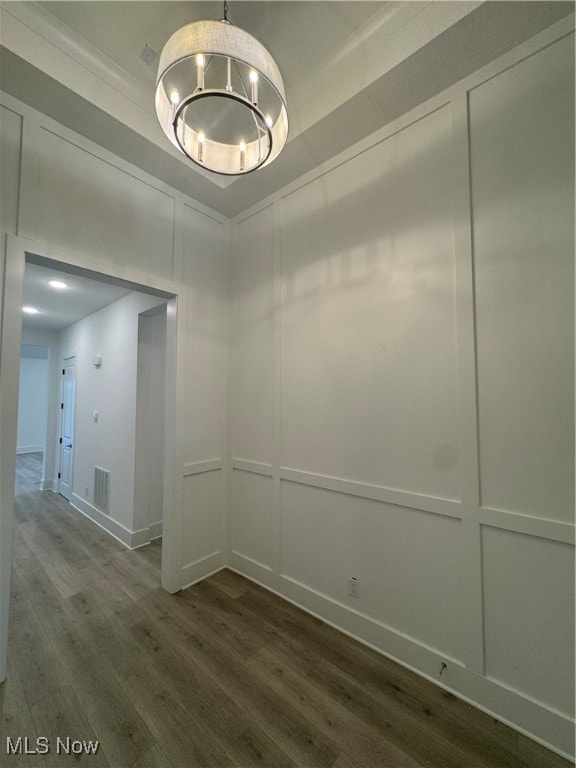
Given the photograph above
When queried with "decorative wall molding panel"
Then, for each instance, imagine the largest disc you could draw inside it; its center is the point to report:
(402, 391)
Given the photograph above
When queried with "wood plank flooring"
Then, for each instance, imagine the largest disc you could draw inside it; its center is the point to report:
(222, 674)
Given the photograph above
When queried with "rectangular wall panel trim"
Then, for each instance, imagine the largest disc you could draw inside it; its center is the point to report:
(406, 121)
(253, 466)
(534, 526)
(445, 507)
(254, 563)
(198, 467)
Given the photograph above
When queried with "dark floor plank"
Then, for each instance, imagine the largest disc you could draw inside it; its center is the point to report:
(185, 741)
(229, 582)
(413, 735)
(154, 758)
(16, 720)
(51, 559)
(209, 705)
(34, 653)
(345, 761)
(214, 610)
(108, 709)
(266, 627)
(29, 472)
(254, 748)
(59, 715)
(365, 743)
(295, 736)
(152, 552)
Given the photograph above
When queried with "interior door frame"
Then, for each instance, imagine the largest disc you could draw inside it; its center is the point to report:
(17, 248)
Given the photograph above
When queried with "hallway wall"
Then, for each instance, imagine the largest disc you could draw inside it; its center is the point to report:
(33, 399)
(149, 421)
(48, 339)
(110, 390)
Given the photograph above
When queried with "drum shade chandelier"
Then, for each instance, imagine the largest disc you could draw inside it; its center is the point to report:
(220, 97)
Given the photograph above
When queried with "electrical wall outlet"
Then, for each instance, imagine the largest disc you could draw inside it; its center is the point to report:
(353, 587)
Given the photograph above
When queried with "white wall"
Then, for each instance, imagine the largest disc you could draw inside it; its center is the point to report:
(110, 390)
(403, 389)
(33, 401)
(205, 272)
(48, 339)
(150, 398)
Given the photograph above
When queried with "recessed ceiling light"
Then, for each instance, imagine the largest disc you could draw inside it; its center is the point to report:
(30, 310)
(58, 284)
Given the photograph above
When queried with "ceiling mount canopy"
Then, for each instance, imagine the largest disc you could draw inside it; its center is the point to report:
(220, 97)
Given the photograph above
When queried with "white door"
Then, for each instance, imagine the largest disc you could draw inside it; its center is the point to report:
(67, 427)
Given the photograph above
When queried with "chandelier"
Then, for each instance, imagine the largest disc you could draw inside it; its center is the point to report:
(220, 97)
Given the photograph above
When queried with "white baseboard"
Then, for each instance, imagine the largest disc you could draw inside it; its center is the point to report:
(115, 529)
(201, 569)
(139, 538)
(548, 727)
(48, 485)
(145, 535)
(155, 530)
(130, 539)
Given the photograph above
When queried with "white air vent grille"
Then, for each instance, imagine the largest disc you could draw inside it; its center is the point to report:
(101, 489)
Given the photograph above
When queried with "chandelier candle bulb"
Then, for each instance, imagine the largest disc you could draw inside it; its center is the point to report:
(254, 81)
(242, 154)
(228, 74)
(201, 139)
(200, 62)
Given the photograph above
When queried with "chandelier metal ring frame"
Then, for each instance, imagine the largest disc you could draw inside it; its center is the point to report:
(192, 49)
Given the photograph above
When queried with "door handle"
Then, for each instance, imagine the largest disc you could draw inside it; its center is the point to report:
(68, 446)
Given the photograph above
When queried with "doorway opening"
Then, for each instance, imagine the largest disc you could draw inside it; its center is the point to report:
(110, 341)
(145, 293)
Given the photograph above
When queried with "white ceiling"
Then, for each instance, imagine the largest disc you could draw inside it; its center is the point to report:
(348, 68)
(57, 309)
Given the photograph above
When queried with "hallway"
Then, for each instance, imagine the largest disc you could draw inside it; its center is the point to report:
(223, 674)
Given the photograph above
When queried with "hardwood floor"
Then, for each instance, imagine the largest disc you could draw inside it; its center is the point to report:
(29, 471)
(222, 674)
